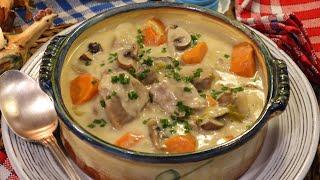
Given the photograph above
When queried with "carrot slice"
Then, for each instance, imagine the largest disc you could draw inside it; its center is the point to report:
(242, 60)
(154, 32)
(128, 140)
(180, 144)
(195, 54)
(83, 88)
(211, 101)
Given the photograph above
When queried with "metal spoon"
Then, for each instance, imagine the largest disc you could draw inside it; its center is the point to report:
(30, 113)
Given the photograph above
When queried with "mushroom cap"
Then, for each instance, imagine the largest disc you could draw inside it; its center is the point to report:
(126, 57)
(179, 37)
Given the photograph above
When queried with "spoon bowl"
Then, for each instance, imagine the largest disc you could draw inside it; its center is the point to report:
(37, 119)
(30, 113)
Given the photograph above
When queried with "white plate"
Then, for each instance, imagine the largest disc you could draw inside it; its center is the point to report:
(287, 152)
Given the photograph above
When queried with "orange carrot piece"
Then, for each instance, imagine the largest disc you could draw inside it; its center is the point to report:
(128, 140)
(83, 88)
(242, 60)
(180, 144)
(211, 101)
(154, 32)
(228, 137)
(195, 54)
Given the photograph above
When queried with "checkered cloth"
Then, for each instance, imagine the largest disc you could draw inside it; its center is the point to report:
(294, 25)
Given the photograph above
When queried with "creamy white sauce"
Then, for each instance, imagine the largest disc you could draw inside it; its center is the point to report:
(250, 101)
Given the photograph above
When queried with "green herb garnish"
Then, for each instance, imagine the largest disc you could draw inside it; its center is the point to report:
(194, 39)
(226, 56)
(139, 38)
(112, 57)
(187, 89)
(142, 75)
(164, 50)
(122, 79)
(132, 95)
(185, 109)
(102, 103)
(148, 61)
(197, 73)
(101, 65)
(97, 122)
(237, 89)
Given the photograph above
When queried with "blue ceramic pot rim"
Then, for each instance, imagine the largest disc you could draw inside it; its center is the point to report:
(152, 157)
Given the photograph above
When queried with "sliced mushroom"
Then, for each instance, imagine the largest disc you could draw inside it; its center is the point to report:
(179, 37)
(226, 99)
(126, 57)
(86, 58)
(215, 112)
(94, 47)
(203, 83)
(154, 131)
(210, 125)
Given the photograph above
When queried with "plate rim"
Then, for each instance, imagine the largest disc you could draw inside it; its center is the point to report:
(18, 167)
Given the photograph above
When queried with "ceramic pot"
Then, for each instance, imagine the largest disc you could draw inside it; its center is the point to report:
(102, 160)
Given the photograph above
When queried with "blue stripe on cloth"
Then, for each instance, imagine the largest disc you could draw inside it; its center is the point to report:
(101, 7)
(40, 5)
(64, 4)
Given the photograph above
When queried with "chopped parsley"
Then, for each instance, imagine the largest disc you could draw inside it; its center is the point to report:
(194, 39)
(122, 79)
(197, 73)
(109, 70)
(187, 89)
(165, 123)
(146, 121)
(110, 96)
(112, 57)
(101, 65)
(226, 56)
(97, 122)
(175, 63)
(237, 89)
(184, 109)
(164, 50)
(216, 93)
(132, 71)
(148, 61)
(87, 63)
(139, 38)
(102, 103)
(132, 95)
(142, 75)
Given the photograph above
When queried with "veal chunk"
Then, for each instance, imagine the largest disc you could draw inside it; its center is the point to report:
(116, 113)
(205, 78)
(169, 92)
(120, 108)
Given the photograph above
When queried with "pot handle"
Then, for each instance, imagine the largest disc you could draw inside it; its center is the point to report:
(48, 62)
(281, 87)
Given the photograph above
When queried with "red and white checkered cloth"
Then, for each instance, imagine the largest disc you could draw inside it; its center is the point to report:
(6, 170)
(294, 25)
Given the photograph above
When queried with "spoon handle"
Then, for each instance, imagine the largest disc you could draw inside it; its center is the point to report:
(51, 143)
